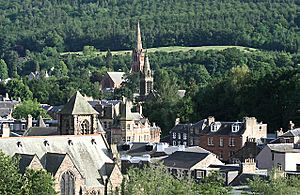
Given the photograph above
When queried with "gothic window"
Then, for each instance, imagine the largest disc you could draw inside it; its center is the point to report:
(67, 184)
(85, 127)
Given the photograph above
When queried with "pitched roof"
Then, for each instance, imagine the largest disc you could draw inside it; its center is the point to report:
(78, 105)
(284, 148)
(25, 160)
(291, 133)
(41, 131)
(225, 129)
(116, 77)
(182, 159)
(181, 128)
(89, 153)
(243, 179)
(53, 161)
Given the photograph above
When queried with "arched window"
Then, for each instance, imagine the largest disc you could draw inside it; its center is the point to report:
(85, 127)
(67, 184)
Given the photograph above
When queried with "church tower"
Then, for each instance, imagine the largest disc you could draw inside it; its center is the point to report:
(146, 79)
(78, 117)
(138, 53)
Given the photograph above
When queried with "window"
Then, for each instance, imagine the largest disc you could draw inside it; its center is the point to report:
(210, 141)
(105, 124)
(215, 126)
(199, 174)
(231, 153)
(279, 166)
(273, 156)
(179, 135)
(231, 141)
(184, 136)
(235, 127)
(174, 135)
(128, 126)
(128, 139)
(67, 186)
(179, 143)
(221, 156)
(23, 126)
(85, 127)
(184, 143)
(174, 143)
(221, 144)
(191, 141)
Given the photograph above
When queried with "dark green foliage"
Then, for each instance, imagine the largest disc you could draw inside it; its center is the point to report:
(32, 182)
(31, 107)
(275, 185)
(17, 89)
(156, 180)
(71, 25)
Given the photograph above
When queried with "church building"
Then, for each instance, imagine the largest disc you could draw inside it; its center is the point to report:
(141, 65)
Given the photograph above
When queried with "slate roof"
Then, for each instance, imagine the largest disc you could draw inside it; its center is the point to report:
(138, 149)
(284, 148)
(226, 168)
(53, 162)
(41, 131)
(181, 128)
(78, 105)
(116, 77)
(25, 160)
(291, 133)
(185, 160)
(225, 129)
(88, 152)
(242, 179)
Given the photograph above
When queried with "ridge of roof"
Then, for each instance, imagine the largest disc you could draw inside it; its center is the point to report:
(77, 105)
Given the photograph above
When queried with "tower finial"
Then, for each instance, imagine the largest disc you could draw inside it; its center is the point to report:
(139, 45)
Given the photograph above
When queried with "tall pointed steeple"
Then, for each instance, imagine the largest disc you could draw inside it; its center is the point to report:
(139, 45)
(138, 53)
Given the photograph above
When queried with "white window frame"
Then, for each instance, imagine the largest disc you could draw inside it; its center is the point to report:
(174, 135)
(184, 136)
(221, 143)
(231, 141)
(200, 174)
(235, 127)
(210, 141)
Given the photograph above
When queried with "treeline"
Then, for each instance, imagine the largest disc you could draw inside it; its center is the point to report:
(228, 84)
(69, 25)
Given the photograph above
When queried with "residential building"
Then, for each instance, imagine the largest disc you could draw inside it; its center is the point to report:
(223, 138)
(79, 164)
(283, 156)
(6, 106)
(291, 136)
(186, 164)
(179, 134)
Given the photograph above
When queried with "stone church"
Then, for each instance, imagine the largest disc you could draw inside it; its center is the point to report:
(141, 65)
(78, 117)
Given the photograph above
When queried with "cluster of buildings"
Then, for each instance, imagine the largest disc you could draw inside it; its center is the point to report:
(89, 145)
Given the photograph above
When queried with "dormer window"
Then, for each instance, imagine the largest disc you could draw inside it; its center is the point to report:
(215, 126)
(235, 127)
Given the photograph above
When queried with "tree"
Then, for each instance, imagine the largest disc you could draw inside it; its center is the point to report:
(38, 182)
(157, 180)
(275, 185)
(3, 70)
(27, 107)
(17, 89)
(11, 181)
(32, 182)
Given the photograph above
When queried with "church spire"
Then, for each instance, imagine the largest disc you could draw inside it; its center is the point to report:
(139, 45)
(147, 64)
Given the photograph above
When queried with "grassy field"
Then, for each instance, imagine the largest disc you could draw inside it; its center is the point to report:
(167, 49)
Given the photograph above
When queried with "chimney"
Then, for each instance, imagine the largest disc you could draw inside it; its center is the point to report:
(291, 125)
(139, 108)
(29, 121)
(279, 132)
(177, 121)
(249, 166)
(210, 120)
(5, 130)
(250, 122)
